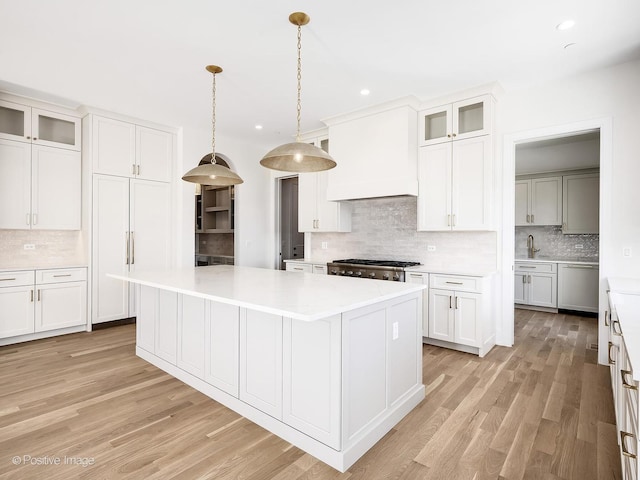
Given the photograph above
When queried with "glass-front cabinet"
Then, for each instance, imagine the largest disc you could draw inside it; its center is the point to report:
(455, 121)
(26, 124)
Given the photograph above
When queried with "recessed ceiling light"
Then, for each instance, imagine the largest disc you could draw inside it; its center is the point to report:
(566, 25)
(365, 92)
(258, 127)
(569, 45)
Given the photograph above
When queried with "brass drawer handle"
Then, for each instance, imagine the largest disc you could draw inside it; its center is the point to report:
(65, 275)
(616, 331)
(454, 283)
(625, 383)
(623, 445)
(611, 360)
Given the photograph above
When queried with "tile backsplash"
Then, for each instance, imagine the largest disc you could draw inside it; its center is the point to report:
(551, 242)
(385, 228)
(53, 248)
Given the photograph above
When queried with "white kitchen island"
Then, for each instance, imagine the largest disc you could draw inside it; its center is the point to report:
(327, 363)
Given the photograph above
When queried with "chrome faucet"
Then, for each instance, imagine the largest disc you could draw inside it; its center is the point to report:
(531, 250)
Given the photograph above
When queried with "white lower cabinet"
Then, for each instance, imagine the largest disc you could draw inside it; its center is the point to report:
(311, 379)
(192, 313)
(222, 332)
(306, 267)
(536, 284)
(460, 312)
(261, 361)
(36, 301)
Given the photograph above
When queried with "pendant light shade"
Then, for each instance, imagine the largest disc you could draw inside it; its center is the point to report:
(212, 173)
(298, 156)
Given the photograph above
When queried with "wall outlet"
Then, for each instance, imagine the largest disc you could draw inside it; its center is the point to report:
(29, 246)
(579, 246)
(431, 248)
(626, 252)
(395, 330)
(324, 245)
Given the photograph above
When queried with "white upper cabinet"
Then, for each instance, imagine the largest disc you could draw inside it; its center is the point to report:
(42, 127)
(456, 121)
(315, 212)
(539, 201)
(455, 182)
(129, 150)
(375, 151)
(40, 187)
(581, 203)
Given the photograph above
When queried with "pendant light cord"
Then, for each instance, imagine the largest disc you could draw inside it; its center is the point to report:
(299, 106)
(213, 120)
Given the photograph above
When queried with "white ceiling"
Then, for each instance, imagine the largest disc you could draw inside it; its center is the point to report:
(146, 58)
(570, 152)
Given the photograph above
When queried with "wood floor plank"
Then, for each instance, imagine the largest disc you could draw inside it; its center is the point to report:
(540, 410)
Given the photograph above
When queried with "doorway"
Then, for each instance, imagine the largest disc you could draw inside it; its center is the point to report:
(506, 243)
(290, 244)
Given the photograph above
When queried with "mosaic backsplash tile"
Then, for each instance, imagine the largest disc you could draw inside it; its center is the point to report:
(552, 242)
(385, 228)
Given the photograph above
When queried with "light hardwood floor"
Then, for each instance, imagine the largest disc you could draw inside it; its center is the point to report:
(540, 410)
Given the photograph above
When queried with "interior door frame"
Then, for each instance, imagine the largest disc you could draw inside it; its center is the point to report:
(278, 208)
(505, 328)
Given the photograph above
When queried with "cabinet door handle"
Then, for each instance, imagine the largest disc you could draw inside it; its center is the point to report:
(606, 316)
(524, 279)
(625, 383)
(38, 294)
(448, 220)
(133, 169)
(6, 279)
(457, 303)
(28, 219)
(31, 296)
(126, 244)
(449, 302)
(138, 169)
(453, 135)
(133, 249)
(448, 135)
(623, 445)
(35, 219)
(532, 219)
(454, 220)
(611, 360)
(528, 218)
(616, 331)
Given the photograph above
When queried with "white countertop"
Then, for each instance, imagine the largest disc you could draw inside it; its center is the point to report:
(301, 296)
(545, 259)
(624, 285)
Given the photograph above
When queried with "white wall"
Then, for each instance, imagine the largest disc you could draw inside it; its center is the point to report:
(609, 96)
(253, 206)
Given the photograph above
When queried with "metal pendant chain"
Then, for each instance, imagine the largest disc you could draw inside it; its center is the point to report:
(213, 121)
(299, 106)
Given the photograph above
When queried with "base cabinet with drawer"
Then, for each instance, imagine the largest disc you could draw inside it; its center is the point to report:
(33, 302)
(460, 313)
(536, 284)
(306, 267)
(578, 287)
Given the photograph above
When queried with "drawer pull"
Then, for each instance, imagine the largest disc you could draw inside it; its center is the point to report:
(625, 383)
(623, 445)
(61, 275)
(581, 266)
(6, 279)
(616, 331)
(611, 360)
(454, 283)
(526, 266)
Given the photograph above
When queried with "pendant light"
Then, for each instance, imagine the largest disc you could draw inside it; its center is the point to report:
(212, 173)
(298, 156)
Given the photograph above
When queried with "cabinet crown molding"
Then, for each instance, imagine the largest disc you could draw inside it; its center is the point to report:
(407, 101)
(494, 89)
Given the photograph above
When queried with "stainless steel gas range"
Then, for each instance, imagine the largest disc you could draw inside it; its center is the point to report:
(374, 269)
